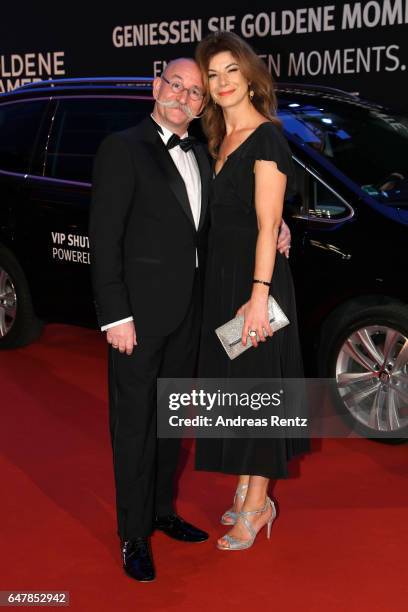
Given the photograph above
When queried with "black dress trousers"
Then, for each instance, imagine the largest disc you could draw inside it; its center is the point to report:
(145, 466)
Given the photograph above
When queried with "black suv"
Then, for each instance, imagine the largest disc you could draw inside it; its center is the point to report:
(349, 224)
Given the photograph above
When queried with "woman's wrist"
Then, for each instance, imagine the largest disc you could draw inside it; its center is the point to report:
(261, 282)
(260, 292)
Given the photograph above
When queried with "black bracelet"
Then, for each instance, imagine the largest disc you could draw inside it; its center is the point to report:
(261, 282)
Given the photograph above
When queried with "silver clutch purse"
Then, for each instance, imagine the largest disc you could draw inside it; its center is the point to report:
(230, 333)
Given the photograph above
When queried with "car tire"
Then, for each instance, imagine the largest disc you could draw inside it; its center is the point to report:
(365, 349)
(18, 324)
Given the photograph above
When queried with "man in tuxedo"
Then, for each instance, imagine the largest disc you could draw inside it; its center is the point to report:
(148, 224)
(148, 227)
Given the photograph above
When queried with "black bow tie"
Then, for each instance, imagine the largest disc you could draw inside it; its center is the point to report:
(185, 143)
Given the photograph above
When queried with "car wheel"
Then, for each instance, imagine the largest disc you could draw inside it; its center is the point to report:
(366, 352)
(18, 324)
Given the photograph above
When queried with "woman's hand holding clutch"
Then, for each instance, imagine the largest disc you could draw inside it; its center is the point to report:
(230, 333)
(256, 319)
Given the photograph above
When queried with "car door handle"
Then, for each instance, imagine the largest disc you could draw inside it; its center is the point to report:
(326, 246)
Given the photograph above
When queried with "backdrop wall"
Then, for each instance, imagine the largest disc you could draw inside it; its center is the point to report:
(356, 46)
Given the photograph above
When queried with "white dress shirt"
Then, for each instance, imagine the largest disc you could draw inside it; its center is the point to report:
(186, 164)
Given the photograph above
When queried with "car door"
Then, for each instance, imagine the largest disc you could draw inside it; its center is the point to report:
(59, 200)
(324, 229)
(21, 124)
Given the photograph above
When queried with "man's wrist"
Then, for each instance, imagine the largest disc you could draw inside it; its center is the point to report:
(109, 325)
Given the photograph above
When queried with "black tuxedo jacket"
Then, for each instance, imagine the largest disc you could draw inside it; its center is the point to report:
(142, 235)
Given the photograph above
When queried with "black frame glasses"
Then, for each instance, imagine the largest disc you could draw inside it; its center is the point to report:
(177, 87)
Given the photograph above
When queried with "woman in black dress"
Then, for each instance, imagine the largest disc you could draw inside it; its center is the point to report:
(252, 173)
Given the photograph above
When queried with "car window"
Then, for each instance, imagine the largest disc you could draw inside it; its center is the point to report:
(314, 198)
(325, 204)
(366, 143)
(19, 125)
(80, 126)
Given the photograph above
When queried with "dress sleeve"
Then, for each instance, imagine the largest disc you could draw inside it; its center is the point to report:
(269, 144)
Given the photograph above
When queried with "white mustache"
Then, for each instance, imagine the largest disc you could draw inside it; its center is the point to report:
(184, 107)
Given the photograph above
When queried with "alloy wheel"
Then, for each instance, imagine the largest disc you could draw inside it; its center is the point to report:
(8, 303)
(372, 377)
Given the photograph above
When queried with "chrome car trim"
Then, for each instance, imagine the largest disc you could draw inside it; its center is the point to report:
(89, 81)
(17, 174)
(36, 177)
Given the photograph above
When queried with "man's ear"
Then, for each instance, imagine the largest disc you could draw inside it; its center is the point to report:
(156, 87)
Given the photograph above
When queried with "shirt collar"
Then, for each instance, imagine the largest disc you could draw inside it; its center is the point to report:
(166, 134)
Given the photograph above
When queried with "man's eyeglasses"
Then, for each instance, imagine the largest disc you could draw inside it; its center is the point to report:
(177, 87)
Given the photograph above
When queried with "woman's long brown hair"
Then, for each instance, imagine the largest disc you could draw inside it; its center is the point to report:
(253, 69)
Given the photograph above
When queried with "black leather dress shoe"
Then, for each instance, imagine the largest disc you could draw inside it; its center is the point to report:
(137, 559)
(177, 528)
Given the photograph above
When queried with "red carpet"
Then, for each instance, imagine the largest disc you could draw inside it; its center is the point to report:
(339, 543)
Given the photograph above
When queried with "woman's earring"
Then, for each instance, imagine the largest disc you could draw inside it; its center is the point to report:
(251, 94)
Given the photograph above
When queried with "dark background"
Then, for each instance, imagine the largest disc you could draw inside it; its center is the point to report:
(83, 32)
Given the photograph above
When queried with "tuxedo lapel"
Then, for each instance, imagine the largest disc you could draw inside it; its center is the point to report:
(204, 167)
(168, 168)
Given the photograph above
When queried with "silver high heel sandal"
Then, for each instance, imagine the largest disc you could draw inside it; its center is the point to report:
(231, 513)
(236, 543)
